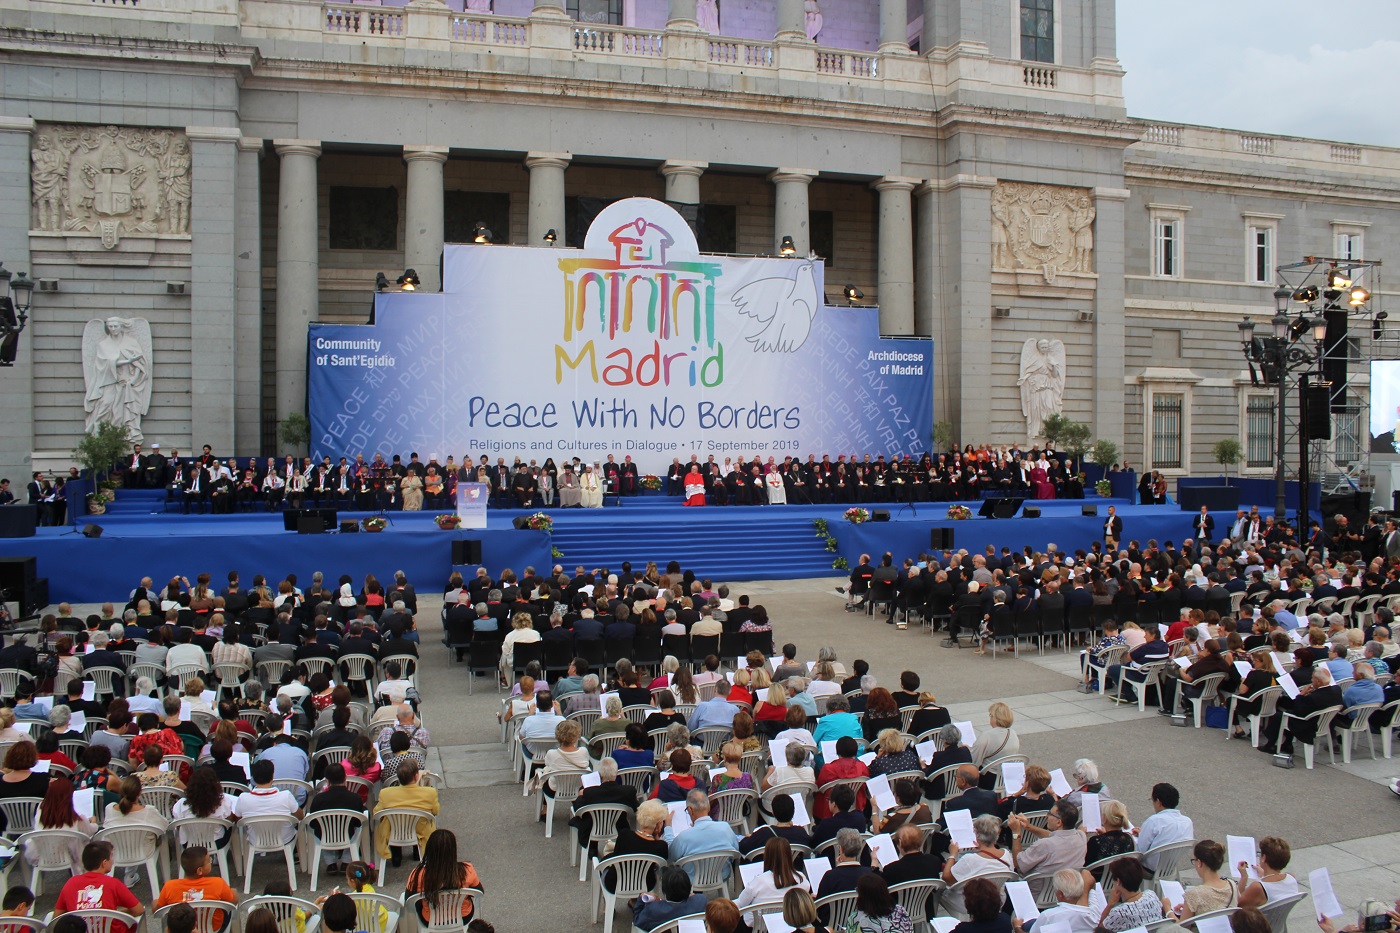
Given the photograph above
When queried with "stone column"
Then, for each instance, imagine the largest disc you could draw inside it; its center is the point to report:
(894, 28)
(17, 414)
(549, 8)
(683, 180)
(681, 15)
(247, 298)
(928, 39)
(790, 211)
(896, 254)
(1110, 223)
(792, 20)
(213, 248)
(298, 268)
(546, 195)
(928, 310)
(422, 248)
(965, 356)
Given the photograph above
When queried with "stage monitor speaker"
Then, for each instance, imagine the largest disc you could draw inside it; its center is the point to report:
(349, 526)
(1031, 511)
(17, 579)
(36, 598)
(988, 509)
(880, 515)
(466, 551)
(1008, 507)
(92, 531)
(291, 518)
(940, 539)
(1089, 510)
(310, 523)
(521, 523)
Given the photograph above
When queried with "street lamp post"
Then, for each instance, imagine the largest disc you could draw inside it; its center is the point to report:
(15, 294)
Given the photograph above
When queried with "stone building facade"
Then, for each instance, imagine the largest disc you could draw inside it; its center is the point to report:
(973, 171)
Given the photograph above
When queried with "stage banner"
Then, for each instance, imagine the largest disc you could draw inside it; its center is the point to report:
(635, 345)
(471, 504)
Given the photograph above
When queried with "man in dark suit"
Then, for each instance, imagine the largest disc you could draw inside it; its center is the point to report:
(587, 627)
(557, 632)
(1203, 526)
(1320, 693)
(976, 800)
(621, 626)
(19, 656)
(913, 864)
(847, 872)
(101, 656)
(1112, 529)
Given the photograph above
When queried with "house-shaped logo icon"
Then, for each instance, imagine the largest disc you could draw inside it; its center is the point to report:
(640, 243)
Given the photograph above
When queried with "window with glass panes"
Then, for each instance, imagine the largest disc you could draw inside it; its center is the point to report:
(1259, 432)
(1038, 30)
(1166, 430)
(1261, 254)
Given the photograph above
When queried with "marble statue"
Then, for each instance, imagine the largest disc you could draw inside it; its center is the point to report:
(1045, 228)
(813, 13)
(1042, 382)
(707, 13)
(110, 181)
(117, 372)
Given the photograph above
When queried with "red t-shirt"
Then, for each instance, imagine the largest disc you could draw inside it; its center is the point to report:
(93, 890)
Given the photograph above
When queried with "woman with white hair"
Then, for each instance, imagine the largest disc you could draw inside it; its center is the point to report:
(669, 666)
(985, 859)
(1086, 781)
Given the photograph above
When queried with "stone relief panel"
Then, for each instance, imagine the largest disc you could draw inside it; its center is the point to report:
(1042, 228)
(110, 181)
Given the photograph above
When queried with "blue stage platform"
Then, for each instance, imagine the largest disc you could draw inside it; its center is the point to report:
(736, 543)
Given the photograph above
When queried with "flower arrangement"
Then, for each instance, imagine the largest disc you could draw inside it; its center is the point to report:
(959, 512)
(555, 553)
(1104, 488)
(856, 515)
(822, 527)
(448, 522)
(375, 523)
(540, 522)
(651, 481)
(840, 563)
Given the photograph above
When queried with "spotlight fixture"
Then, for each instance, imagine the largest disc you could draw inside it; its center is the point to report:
(1338, 278)
(1359, 296)
(1298, 328)
(1378, 325)
(408, 281)
(1307, 294)
(788, 248)
(549, 237)
(381, 282)
(853, 294)
(484, 234)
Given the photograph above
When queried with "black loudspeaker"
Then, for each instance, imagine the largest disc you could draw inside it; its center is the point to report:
(36, 598)
(940, 539)
(880, 515)
(1008, 507)
(466, 551)
(349, 526)
(92, 531)
(1334, 365)
(310, 523)
(17, 576)
(520, 523)
(1088, 510)
(1317, 416)
(988, 509)
(1031, 511)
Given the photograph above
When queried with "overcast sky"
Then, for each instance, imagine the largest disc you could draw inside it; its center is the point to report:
(1296, 67)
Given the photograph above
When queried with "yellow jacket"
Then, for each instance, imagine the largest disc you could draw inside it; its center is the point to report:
(414, 796)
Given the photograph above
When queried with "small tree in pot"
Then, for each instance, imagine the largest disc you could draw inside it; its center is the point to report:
(98, 452)
(1228, 452)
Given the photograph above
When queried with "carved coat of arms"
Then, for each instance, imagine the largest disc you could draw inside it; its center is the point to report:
(1044, 228)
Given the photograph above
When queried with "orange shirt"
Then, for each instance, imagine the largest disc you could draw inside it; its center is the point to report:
(208, 888)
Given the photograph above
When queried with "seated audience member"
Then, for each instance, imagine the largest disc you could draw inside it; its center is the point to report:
(1131, 903)
(986, 858)
(1166, 824)
(198, 884)
(877, 909)
(1059, 845)
(783, 810)
(1071, 904)
(982, 903)
(1214, 892)
(778, 877)
(1267, 881)
(844, 813)
(704, 835)
(845, 766)
(96, 888)
(1112, 838)
(846, 872)
(676, 900)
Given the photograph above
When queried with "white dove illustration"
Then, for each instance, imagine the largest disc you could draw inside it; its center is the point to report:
(783, 306)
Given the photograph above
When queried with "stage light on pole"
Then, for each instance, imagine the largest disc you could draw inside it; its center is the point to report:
(853, 294)
(1359, 296)
(1378, 325)
(549, 237)
(408, 281)
(381, 282)
(1338, 278)
(484, 234)
(788, 248)
(1307, 294)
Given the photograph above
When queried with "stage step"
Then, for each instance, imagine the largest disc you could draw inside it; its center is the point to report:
(744, 547)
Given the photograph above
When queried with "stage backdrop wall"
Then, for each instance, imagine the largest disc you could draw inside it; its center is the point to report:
(635, 345)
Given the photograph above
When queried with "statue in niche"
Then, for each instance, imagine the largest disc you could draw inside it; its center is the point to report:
(707, 13)
(110, 181)
(1045, 228)
(117, 372)
(1042, 382)
(813, 13)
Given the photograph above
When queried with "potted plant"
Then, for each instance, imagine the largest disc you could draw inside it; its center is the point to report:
(840, 563)
(1228, 452)
(448, 521)
(375, 524)
(97, 452)
(1104, 487)
(97, 502)
(555, 553)
(651, 483)
(959, 513)
(856, 515)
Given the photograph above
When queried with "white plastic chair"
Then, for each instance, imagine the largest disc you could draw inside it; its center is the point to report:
(132, 847)
(331, 831)
(709, 871)
(629, 881)
(919, 899)
(603, 818)
(1152, 677)
(1171, 859)
(265, 835)
(1359, 725)
(104, 921)
(403, 830)
(841, 905)
(207, 917)
(19, 815)
(207, 832)
(1388, 725)
(1107, 658)
(1210, 691)
(284, 909)
(367, 907)
(1268, 704)
(163, 799)
(49, 850)
(567, 787)
(445, 911)
(736, 807)
(1323, 718)
(1276, 912)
